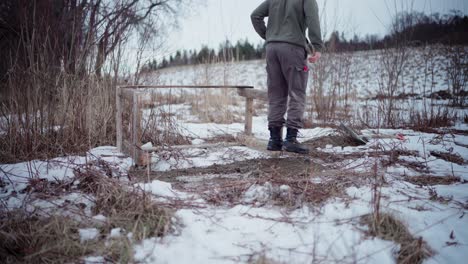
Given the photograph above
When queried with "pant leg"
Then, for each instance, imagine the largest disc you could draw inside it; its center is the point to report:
(296, 72)
(277, 87)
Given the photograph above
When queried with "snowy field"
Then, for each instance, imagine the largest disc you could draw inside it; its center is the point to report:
(401, 198)
(360, 77)
(421, 72)
(254, 227)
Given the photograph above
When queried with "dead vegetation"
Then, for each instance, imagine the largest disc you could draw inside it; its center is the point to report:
(54, 238)
(428, 121)
(450, 157)
(30, 239)
(129, 208)
(332, 140)
(289, 182)
(225, 138)
(211, 107)
(261, 259)
(387, 227)
(427, 180)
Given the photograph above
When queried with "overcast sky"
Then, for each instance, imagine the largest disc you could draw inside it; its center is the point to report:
(214, 21)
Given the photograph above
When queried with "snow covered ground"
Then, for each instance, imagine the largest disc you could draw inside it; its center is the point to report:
(331, 232)
(237, 203)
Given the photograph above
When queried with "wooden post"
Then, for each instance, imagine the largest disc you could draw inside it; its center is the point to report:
(140, 156)
(248, 115)
(136, 129)
(118, 118)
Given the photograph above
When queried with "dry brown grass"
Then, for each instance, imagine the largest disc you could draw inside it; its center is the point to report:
(212, 107)
(55, 239)
(126, 207)
(385, 226)
(450, 157)
(31, 239)
(428, 180)
(261, 259)
(228, 138)
(436, 117)
(54, 115)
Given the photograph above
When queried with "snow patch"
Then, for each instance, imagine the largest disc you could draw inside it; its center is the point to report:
(87, 234)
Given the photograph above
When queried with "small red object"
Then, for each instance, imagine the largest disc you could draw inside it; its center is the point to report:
(400, 136)
(306, 69)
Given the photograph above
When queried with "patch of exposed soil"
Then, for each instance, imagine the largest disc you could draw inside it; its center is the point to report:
(227, 138)
(288, 182)
(428, 180)
(283, 166)
(334, 140)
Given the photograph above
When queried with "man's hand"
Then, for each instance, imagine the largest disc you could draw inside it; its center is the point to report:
(315, 57)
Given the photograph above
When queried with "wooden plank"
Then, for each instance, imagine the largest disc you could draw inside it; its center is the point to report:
(186, 86)
(253, 93)
(118, 119)
(248, 115)
(180, 147)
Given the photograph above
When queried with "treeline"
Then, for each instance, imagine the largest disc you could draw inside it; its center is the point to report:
(413, 29)
(242, 50)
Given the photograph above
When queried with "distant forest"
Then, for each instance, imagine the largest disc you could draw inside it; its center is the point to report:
(413, 29)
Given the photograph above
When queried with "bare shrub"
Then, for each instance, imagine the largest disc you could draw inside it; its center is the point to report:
(160, 125)
(332, 90)
(75, 115)
(436, 117)
(393, 62)
(457, 73)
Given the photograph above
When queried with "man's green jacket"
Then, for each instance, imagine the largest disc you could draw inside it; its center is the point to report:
(287, 22)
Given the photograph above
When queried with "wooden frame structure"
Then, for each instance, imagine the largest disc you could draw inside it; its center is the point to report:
(131, 99)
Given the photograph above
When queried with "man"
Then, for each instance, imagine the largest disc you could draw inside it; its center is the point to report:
(286, 56)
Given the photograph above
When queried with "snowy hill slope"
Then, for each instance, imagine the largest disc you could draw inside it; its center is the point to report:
(365, 69)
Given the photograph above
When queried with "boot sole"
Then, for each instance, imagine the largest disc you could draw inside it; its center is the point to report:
(275, 149)
(305, 152)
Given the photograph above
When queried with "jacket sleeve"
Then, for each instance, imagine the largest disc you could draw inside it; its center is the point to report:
(313, 24)
(258, 18)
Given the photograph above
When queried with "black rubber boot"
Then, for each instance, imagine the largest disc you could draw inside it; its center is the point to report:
(291, 144)
(276, 139)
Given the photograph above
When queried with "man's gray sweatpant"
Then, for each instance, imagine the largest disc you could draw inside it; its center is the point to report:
(287, 79)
